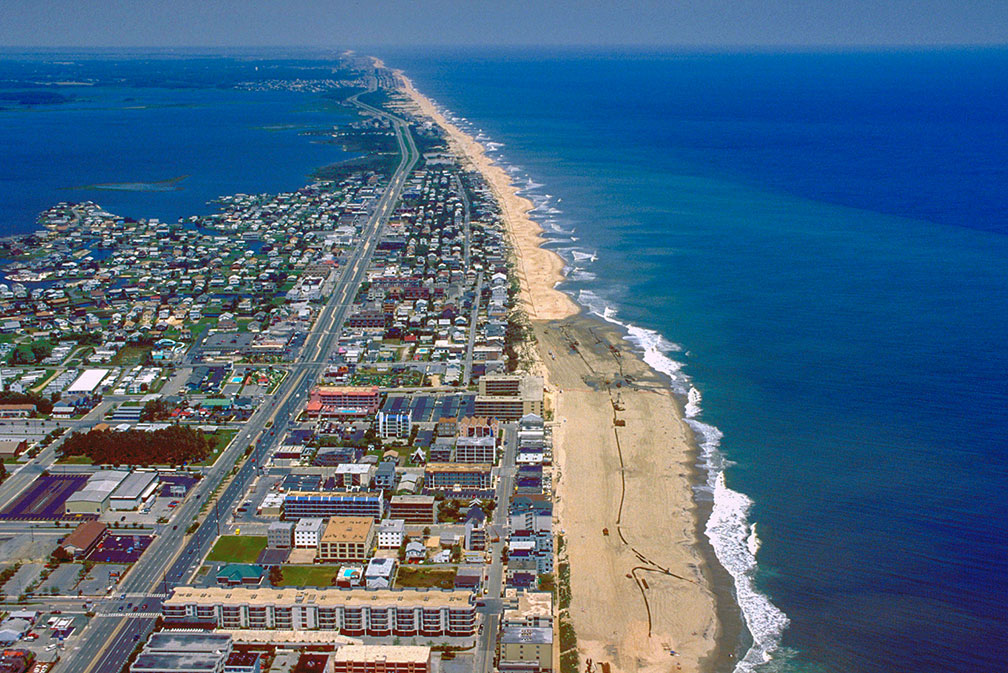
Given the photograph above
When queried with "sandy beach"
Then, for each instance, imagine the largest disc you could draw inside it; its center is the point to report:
(624, 456)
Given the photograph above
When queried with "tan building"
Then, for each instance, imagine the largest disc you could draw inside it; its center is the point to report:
(355, 612)
(381, 659)
(347, 538)
(508, 397)
(526, 650)
(530, 609)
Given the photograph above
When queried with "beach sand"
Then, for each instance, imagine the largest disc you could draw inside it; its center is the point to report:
(641, 591)
(539, 270)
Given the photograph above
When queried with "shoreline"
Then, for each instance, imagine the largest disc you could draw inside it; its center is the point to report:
(664, 597)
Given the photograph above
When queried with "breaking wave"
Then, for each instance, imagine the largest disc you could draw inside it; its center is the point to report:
(728, 529)
(732, 536)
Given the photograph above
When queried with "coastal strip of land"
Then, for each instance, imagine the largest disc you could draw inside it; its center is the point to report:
(640, 598)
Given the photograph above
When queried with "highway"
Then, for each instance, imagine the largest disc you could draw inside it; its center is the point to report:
(105, 644)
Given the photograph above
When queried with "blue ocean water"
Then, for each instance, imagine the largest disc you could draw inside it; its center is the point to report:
(167, 119)
(818, 243)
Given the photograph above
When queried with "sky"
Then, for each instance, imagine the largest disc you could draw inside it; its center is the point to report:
(648, 23)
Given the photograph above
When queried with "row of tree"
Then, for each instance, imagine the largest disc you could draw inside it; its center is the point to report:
(174, 445)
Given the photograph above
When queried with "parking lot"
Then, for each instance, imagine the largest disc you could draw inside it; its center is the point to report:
(62, 580)
(100, 578)
(44, 499)
(121, 548)
(26, 574)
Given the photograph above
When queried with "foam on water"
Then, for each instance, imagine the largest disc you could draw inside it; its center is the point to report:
(732, 536)
(693, 399)
(728, 529)
(579, 274)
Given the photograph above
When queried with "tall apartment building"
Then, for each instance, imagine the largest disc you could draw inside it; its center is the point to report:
(476, 450)
(413, 509)
(354, 612)
(444, 476)
(526, 649)
(307, 532)
(347, 538)
(508, 397)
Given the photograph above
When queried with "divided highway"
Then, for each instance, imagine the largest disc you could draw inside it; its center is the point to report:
(107, 641)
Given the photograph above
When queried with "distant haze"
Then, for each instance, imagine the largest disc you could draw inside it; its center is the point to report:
(653, 23)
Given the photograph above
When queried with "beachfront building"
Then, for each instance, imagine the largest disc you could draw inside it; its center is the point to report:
(343, 402)
(354, 612)
(391, 533)
(381, 659)
(280, 535)
(531, 514)
(526, 649)
(508, 397)
(530, 609)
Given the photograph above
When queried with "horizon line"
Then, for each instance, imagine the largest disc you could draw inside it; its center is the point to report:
(740, 47)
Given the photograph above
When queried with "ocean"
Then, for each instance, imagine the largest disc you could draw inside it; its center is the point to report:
(815, 244)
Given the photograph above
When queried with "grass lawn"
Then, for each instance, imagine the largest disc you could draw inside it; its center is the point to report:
(412, 576)
(237, 548)
(131, 354)
(222, 438)
(309, 576)
(49, 374)
(75, 460)
(199, 329)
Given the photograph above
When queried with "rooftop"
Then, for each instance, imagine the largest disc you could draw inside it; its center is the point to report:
(330, 597)
(526, 634)
(387, 653)
(348, 529)
(180, 641)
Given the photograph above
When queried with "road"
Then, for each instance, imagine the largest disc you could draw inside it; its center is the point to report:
(106, 642)
(486, 644)
(467, 370)
(467, 221)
